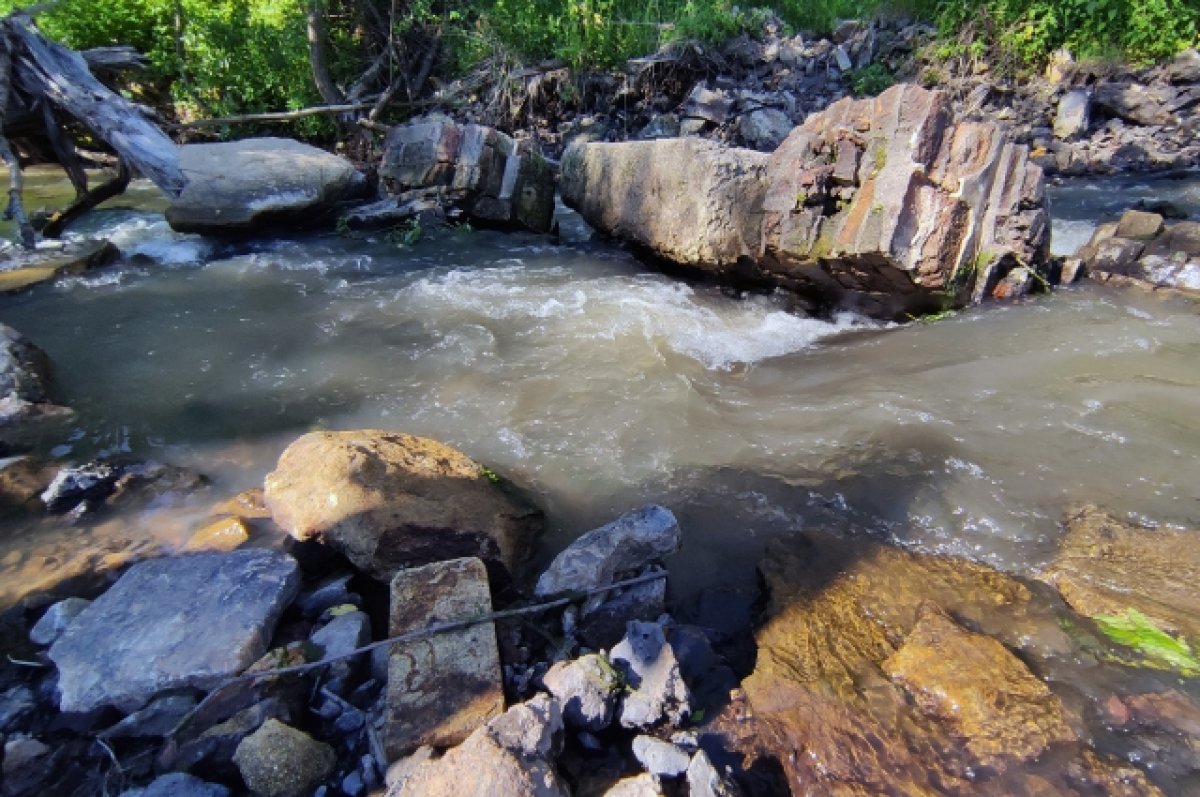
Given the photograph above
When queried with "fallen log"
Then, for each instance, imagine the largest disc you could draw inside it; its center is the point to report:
(273, 116)
(86, 201)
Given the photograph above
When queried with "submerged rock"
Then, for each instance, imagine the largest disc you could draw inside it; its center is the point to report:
(483, 172)
(189, 621)
(389, 501)
(512, 755)
(884, 205)
(21, 269)
(443, 687)
(24, 387)
(857, 627)
(250, 185)
(1107, 566)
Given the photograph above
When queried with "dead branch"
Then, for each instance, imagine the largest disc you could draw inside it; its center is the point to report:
(16, 181)
(274, 116)
(90, 199)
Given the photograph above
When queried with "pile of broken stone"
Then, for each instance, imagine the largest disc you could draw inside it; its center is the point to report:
(174, 680)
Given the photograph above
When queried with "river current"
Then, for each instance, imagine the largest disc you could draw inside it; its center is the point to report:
(599, 385)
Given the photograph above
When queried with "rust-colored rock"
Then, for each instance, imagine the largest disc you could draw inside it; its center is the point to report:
(1106, 566)
(885, 205)
(847, 612)
(979, 689)
(223, 534)
(388, 501)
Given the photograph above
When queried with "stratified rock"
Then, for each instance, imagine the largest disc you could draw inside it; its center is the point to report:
(250, 185)
(689, 200)
(1074, 114)
(587, 689)
(885, 205)
(389, 501)
(55, 621)
(178, 784)
(444, 687)
(512, 755)
(20, 269)
(484, 172)
(628, 543)
(24, 382)
(656, 690)
(705, 781)
(187, 621)
(279, 761)
(1106, 566)
(822, 703)
(660, 758)
(984, 693)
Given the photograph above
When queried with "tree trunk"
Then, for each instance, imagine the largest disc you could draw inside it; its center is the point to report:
(330, 93)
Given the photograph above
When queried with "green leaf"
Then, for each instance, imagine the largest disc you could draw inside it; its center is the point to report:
(1139, 632)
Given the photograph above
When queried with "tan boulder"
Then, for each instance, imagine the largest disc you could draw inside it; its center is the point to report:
(388, 501)
(1106, 566)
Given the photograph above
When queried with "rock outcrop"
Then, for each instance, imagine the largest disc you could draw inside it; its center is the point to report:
(1142, 249)
(884, 205)
(1107, 566)
(476, 170)
(241, 187)
(389, 501)
(142, 636)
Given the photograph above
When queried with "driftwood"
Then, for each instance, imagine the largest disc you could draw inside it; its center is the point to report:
(273, 116)
(41, 84)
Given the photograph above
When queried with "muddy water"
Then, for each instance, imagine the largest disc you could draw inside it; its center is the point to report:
(600, 385)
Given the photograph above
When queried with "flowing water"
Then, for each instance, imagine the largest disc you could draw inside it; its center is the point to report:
(600, 385)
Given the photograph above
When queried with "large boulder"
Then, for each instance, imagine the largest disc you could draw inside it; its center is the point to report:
(188, 621)
(485, 173)
(238, 187)
(1106, 566)
(863, 683)
(388, 501)
(885, 205)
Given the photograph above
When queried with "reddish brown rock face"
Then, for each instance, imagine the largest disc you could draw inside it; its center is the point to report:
(883, 205)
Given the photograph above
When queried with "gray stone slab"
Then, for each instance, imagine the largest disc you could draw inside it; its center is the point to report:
(189, 621)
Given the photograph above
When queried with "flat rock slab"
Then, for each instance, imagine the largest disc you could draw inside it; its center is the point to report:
(240, 186)
(190, 621)
(440, 689)
(21, 270)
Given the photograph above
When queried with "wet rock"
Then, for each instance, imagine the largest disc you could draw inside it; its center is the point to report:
(55, 621)
(984, 693)
(841, 608)
(178, 784)
(158, 719)
(247, 505)
(484, 172)
(629, 542)
(660, 758)
(21, 270)
(1074, 114)
(92, 481)
(279, 761)
(388, 501)
(24, 387)
(22, 480)
(643, 785)
(444, 687)
(140, 637)
(656, 689)
(927, 204)
(587, 688)
(79, 488)
(239, 187)
(512, 755)
(1106, 566)
(225, 534)
(705, 781)
(764, 129)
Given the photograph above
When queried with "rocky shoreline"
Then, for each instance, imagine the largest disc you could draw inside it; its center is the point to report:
(374, 629)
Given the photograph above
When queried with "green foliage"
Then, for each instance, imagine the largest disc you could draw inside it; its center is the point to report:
(870, 81)
(1026, 32)
(1158, 648)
